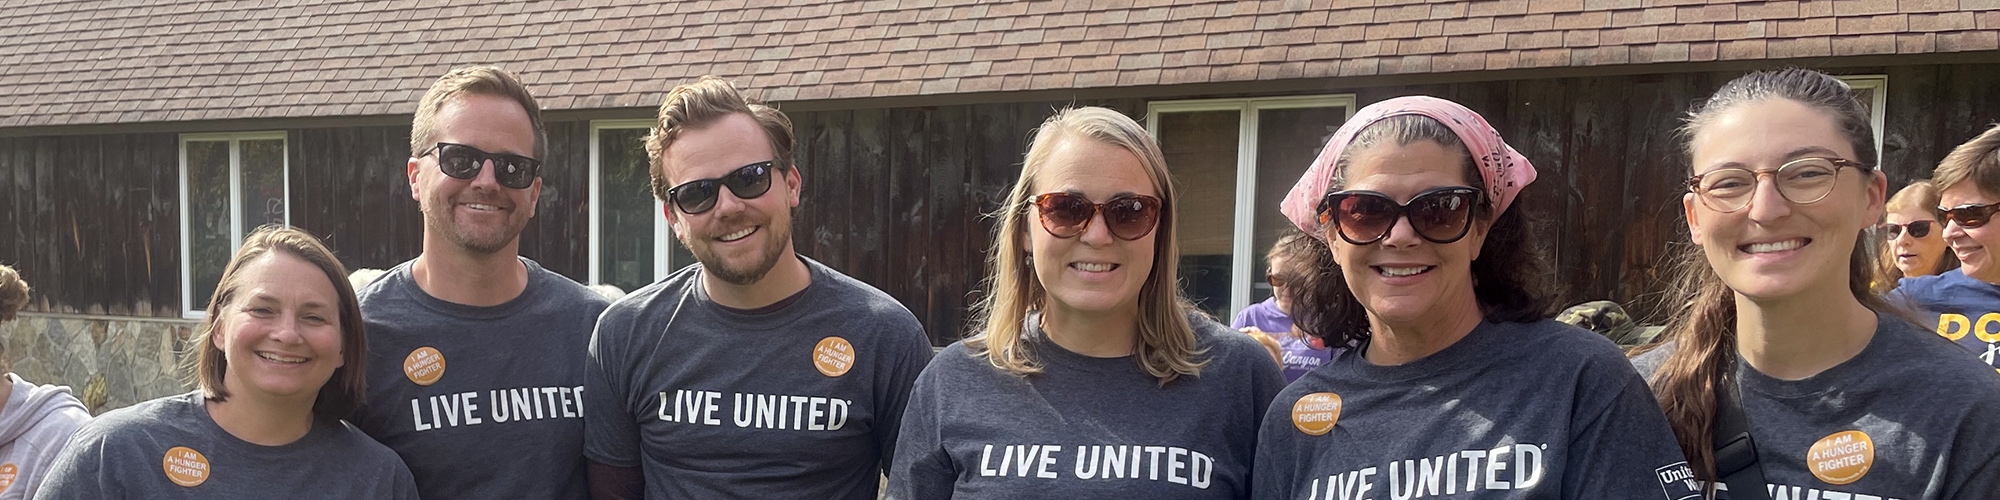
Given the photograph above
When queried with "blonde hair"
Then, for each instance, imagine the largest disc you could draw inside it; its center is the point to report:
(1166, 347)
(700, 104)
(1921, 195)
(13, 294)
(478, 80)
(207, 364)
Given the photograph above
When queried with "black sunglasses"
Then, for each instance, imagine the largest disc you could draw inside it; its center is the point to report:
(1440, 215)
(1917, 229)
(1128, 217)
(746, 182)
(463, 162)
(1971, 215)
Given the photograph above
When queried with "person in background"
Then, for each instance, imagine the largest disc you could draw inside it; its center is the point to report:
(1914, 237)
(1453, 370)
(35, 420)
(1270, 321)
(1963, 304)
(1842, 397)
(1087, 374)
(279, 358)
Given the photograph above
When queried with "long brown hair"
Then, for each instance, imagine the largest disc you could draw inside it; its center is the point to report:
(1703, 331)
(206, 363)
(1166, 347)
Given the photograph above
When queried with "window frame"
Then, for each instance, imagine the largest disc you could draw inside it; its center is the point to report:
(662, 260)
(1878, 85)
(1243, 258)
(189, 308)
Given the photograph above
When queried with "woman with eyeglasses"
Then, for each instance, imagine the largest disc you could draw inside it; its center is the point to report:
(1087, 375)
(277, 363)
(1913, 240)
(1964, 304)
(1270, 321)
(1783, 363)
(1455, 384)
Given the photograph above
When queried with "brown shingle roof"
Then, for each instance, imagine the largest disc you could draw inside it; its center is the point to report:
(73, 62)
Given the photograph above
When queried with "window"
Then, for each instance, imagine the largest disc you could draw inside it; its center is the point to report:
(1232, 161)
(230, 184)
(1873, 91)
(631, 245)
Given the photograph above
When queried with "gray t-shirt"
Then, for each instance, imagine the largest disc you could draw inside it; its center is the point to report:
(1086, 427)
(1513, 410)
(482, 402)
(802, 402)
(170, 448)
(1910, 417)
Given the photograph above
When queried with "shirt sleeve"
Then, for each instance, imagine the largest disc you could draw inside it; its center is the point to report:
(897, 382)
(1274, 471)
(79, 472)
(921, 468)
(1622, 443)
(610, 436)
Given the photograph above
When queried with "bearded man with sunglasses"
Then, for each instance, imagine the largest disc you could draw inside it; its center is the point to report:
(1964, 303)
(476, 354)
(757, 373)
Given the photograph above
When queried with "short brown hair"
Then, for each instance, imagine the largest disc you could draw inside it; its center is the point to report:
(702, 103)
(343, 392)
(13, 293)
(1977, 159)
(480, 80)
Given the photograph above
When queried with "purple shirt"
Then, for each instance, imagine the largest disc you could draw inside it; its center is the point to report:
(1300, 356)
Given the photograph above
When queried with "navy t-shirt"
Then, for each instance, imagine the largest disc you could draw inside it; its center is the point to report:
(1960, 308)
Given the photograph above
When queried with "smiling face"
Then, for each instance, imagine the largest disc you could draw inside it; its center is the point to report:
(1403, 278)
(477, 215)
(738, 241)
(1973, 245)
(280, 334)
(1916, 256)
(1094, 272)
(1775, 248)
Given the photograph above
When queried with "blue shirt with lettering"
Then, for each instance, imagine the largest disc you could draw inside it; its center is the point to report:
(1957, 306)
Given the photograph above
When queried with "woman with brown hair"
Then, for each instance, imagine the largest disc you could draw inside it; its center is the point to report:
(1087, 375)
(1839, 396)
(1455, 382)
(277, 362)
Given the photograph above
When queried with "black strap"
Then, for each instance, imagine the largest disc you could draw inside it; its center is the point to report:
(1735, 453)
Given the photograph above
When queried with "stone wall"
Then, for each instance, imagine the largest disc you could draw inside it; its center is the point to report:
(109, 362)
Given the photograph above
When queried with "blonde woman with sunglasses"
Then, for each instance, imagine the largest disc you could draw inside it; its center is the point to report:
(1455, 382)
(1087, 374)
(1912, 237)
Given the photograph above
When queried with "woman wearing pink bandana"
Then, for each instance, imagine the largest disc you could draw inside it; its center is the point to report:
(1455, 383)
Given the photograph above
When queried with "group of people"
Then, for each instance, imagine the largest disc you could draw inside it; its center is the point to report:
(1411, 318)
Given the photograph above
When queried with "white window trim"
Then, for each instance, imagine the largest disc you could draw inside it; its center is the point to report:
(189, 308)
(1877, 111)
(661, 231)
(1242, 256)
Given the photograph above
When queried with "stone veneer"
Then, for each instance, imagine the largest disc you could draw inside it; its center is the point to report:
(108, 362)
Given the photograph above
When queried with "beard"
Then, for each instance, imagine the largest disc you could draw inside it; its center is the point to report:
(439, 218)
(750, 268)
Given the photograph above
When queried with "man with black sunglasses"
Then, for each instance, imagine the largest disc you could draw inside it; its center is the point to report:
(476, 354)
(1964, 303)
(756, 373)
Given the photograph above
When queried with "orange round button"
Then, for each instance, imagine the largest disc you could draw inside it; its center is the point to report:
(1316, 413)
(7, 474)
(1841, 458)
(185, 466)
(424, 365)
(833, 356)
